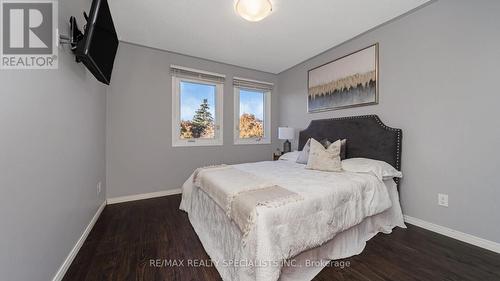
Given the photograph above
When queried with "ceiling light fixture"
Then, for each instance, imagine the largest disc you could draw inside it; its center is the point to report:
(253, 10)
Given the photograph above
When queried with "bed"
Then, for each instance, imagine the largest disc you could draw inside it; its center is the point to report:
(338, 214)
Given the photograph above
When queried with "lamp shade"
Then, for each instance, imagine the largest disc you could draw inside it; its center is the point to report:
(286, 133)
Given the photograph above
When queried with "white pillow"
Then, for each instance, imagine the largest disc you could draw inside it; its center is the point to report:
(382, 170)
(324, 159)
(304, 153)
(290, 156)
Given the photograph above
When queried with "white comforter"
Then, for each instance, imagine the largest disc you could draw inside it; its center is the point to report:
(333, 202)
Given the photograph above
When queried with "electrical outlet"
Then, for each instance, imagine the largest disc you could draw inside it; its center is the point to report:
(99, 188)
(443, 200)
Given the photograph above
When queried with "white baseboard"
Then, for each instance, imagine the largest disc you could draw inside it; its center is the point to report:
(464, 237)
(142, 196)
(71, 256)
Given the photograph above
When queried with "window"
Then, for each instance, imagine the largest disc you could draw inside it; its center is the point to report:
(252, 107)
(196, 107)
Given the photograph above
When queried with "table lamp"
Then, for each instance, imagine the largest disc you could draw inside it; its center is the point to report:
(287, 134)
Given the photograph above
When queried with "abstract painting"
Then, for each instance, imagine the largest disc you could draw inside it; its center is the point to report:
(349, 81)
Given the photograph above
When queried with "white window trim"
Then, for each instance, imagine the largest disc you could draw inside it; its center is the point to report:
(267, 119)
(176, 114)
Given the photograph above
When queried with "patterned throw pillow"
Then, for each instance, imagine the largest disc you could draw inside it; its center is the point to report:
(304, 153)
(343, 146)
(324, 159)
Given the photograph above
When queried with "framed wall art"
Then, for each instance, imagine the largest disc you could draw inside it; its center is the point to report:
(349, 81)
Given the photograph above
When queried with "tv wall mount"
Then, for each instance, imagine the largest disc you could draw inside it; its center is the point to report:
(75, 34)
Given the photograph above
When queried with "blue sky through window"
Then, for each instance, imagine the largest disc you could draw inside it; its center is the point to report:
(252, 102)
(192, 95)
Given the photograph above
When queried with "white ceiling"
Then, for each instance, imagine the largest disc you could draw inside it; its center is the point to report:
(295, 31)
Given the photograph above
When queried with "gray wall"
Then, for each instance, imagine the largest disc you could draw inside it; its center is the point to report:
(439, 70)
(52, 143)
(139, 153)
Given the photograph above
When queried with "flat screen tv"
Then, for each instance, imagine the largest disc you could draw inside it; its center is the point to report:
(97, 49)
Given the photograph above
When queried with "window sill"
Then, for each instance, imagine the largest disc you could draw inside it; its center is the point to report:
(196, 143)
(251, 141)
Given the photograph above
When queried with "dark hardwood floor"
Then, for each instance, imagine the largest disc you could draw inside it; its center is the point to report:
(128, 235)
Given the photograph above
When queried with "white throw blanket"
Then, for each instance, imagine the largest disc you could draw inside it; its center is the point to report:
(223, 183)
(333, 202)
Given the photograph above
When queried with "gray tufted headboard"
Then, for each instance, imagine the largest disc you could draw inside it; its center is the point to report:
(366, 136)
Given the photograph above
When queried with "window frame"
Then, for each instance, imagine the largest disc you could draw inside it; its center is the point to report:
(267, 117)
(218, 139)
